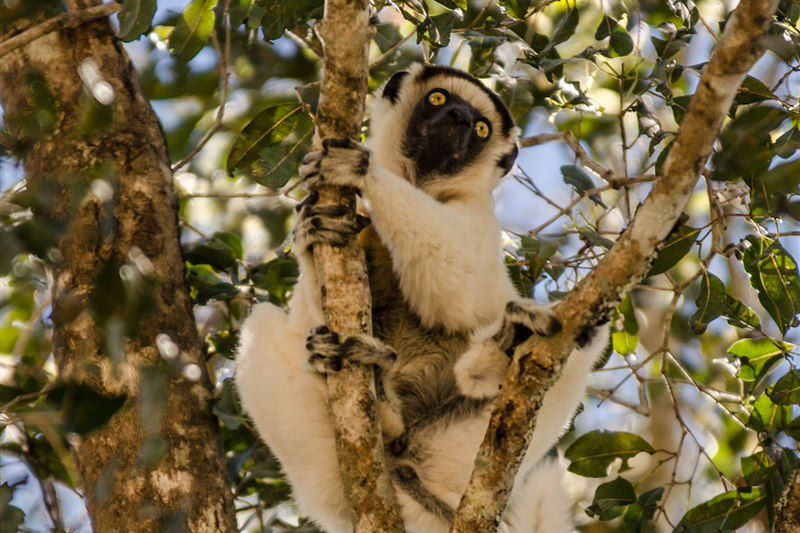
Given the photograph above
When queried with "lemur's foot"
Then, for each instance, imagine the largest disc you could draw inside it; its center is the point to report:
(524, 318)
(328, 224)
(328, 351)
(340, 162)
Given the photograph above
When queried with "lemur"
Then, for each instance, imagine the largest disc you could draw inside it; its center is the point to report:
(446, 315)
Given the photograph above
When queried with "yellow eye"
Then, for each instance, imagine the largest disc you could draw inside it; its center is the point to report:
(437, 98)
(482, 129)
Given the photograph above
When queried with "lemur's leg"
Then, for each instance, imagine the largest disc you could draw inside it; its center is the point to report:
(328, 351)
(287, 402)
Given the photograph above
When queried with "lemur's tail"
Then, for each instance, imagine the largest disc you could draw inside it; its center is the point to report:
(539, 503)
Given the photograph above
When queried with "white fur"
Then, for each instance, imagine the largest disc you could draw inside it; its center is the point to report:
(447, 258)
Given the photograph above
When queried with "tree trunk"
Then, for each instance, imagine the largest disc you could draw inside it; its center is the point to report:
(130, 218)
(538, 364)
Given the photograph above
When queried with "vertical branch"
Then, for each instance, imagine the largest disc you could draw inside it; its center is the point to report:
(345, 34)
(537, 365)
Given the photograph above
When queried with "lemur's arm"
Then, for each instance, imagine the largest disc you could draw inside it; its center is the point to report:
(481, 369)
(445, 254)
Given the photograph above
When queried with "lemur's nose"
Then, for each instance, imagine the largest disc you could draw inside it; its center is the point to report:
(460, 114)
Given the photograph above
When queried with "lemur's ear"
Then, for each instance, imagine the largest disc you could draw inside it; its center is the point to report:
(392, 87)
(507, 160)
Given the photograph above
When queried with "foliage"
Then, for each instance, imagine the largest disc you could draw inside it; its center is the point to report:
(699, 401)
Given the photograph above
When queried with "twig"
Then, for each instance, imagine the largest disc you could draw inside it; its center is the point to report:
(224, 61)
(70, 19)
(575, 146)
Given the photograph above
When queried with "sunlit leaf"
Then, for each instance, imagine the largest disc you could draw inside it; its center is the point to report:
(757, 356)
(591, 454)
(193, 29)
(767, 417)
(625, 331)
(726, 512)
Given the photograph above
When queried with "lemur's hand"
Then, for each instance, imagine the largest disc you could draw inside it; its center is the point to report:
(522, 319)
(317, 224)
(340, 162)
(328, 351)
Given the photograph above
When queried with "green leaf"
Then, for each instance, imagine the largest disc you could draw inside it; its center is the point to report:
(676, 246)
(193, 29)
(757, 356)
(753, 90)
(726, 512)
(515, 8)
(272, 144)
(281, 15)
(220, 251)
(83, 409)
(766, 417)
(239, 11)
(564, 30)
(11, 517)
(625, 339)
(277, 277)
(786, 390)
(207, 284)
(226, 407)
(773, 274)
(135, 17)
(454, 4)
(621, 42)
(643, 510)
(592, 453)
(580, 181)
(711, 302)
(537, 252)
(610, 498)
(606, 26)
(740, 315)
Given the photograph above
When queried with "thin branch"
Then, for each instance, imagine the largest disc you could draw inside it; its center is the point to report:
(568, 138)
(70, 19)
(537, 364)
(224, 54)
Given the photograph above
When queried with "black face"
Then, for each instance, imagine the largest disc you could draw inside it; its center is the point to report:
(444, 134)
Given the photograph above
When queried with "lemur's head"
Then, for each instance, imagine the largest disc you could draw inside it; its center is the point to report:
(442, 129)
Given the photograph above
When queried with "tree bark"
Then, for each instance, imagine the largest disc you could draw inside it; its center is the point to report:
(538, 364)
(187, 486)
(345, 34)
(788, 519)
